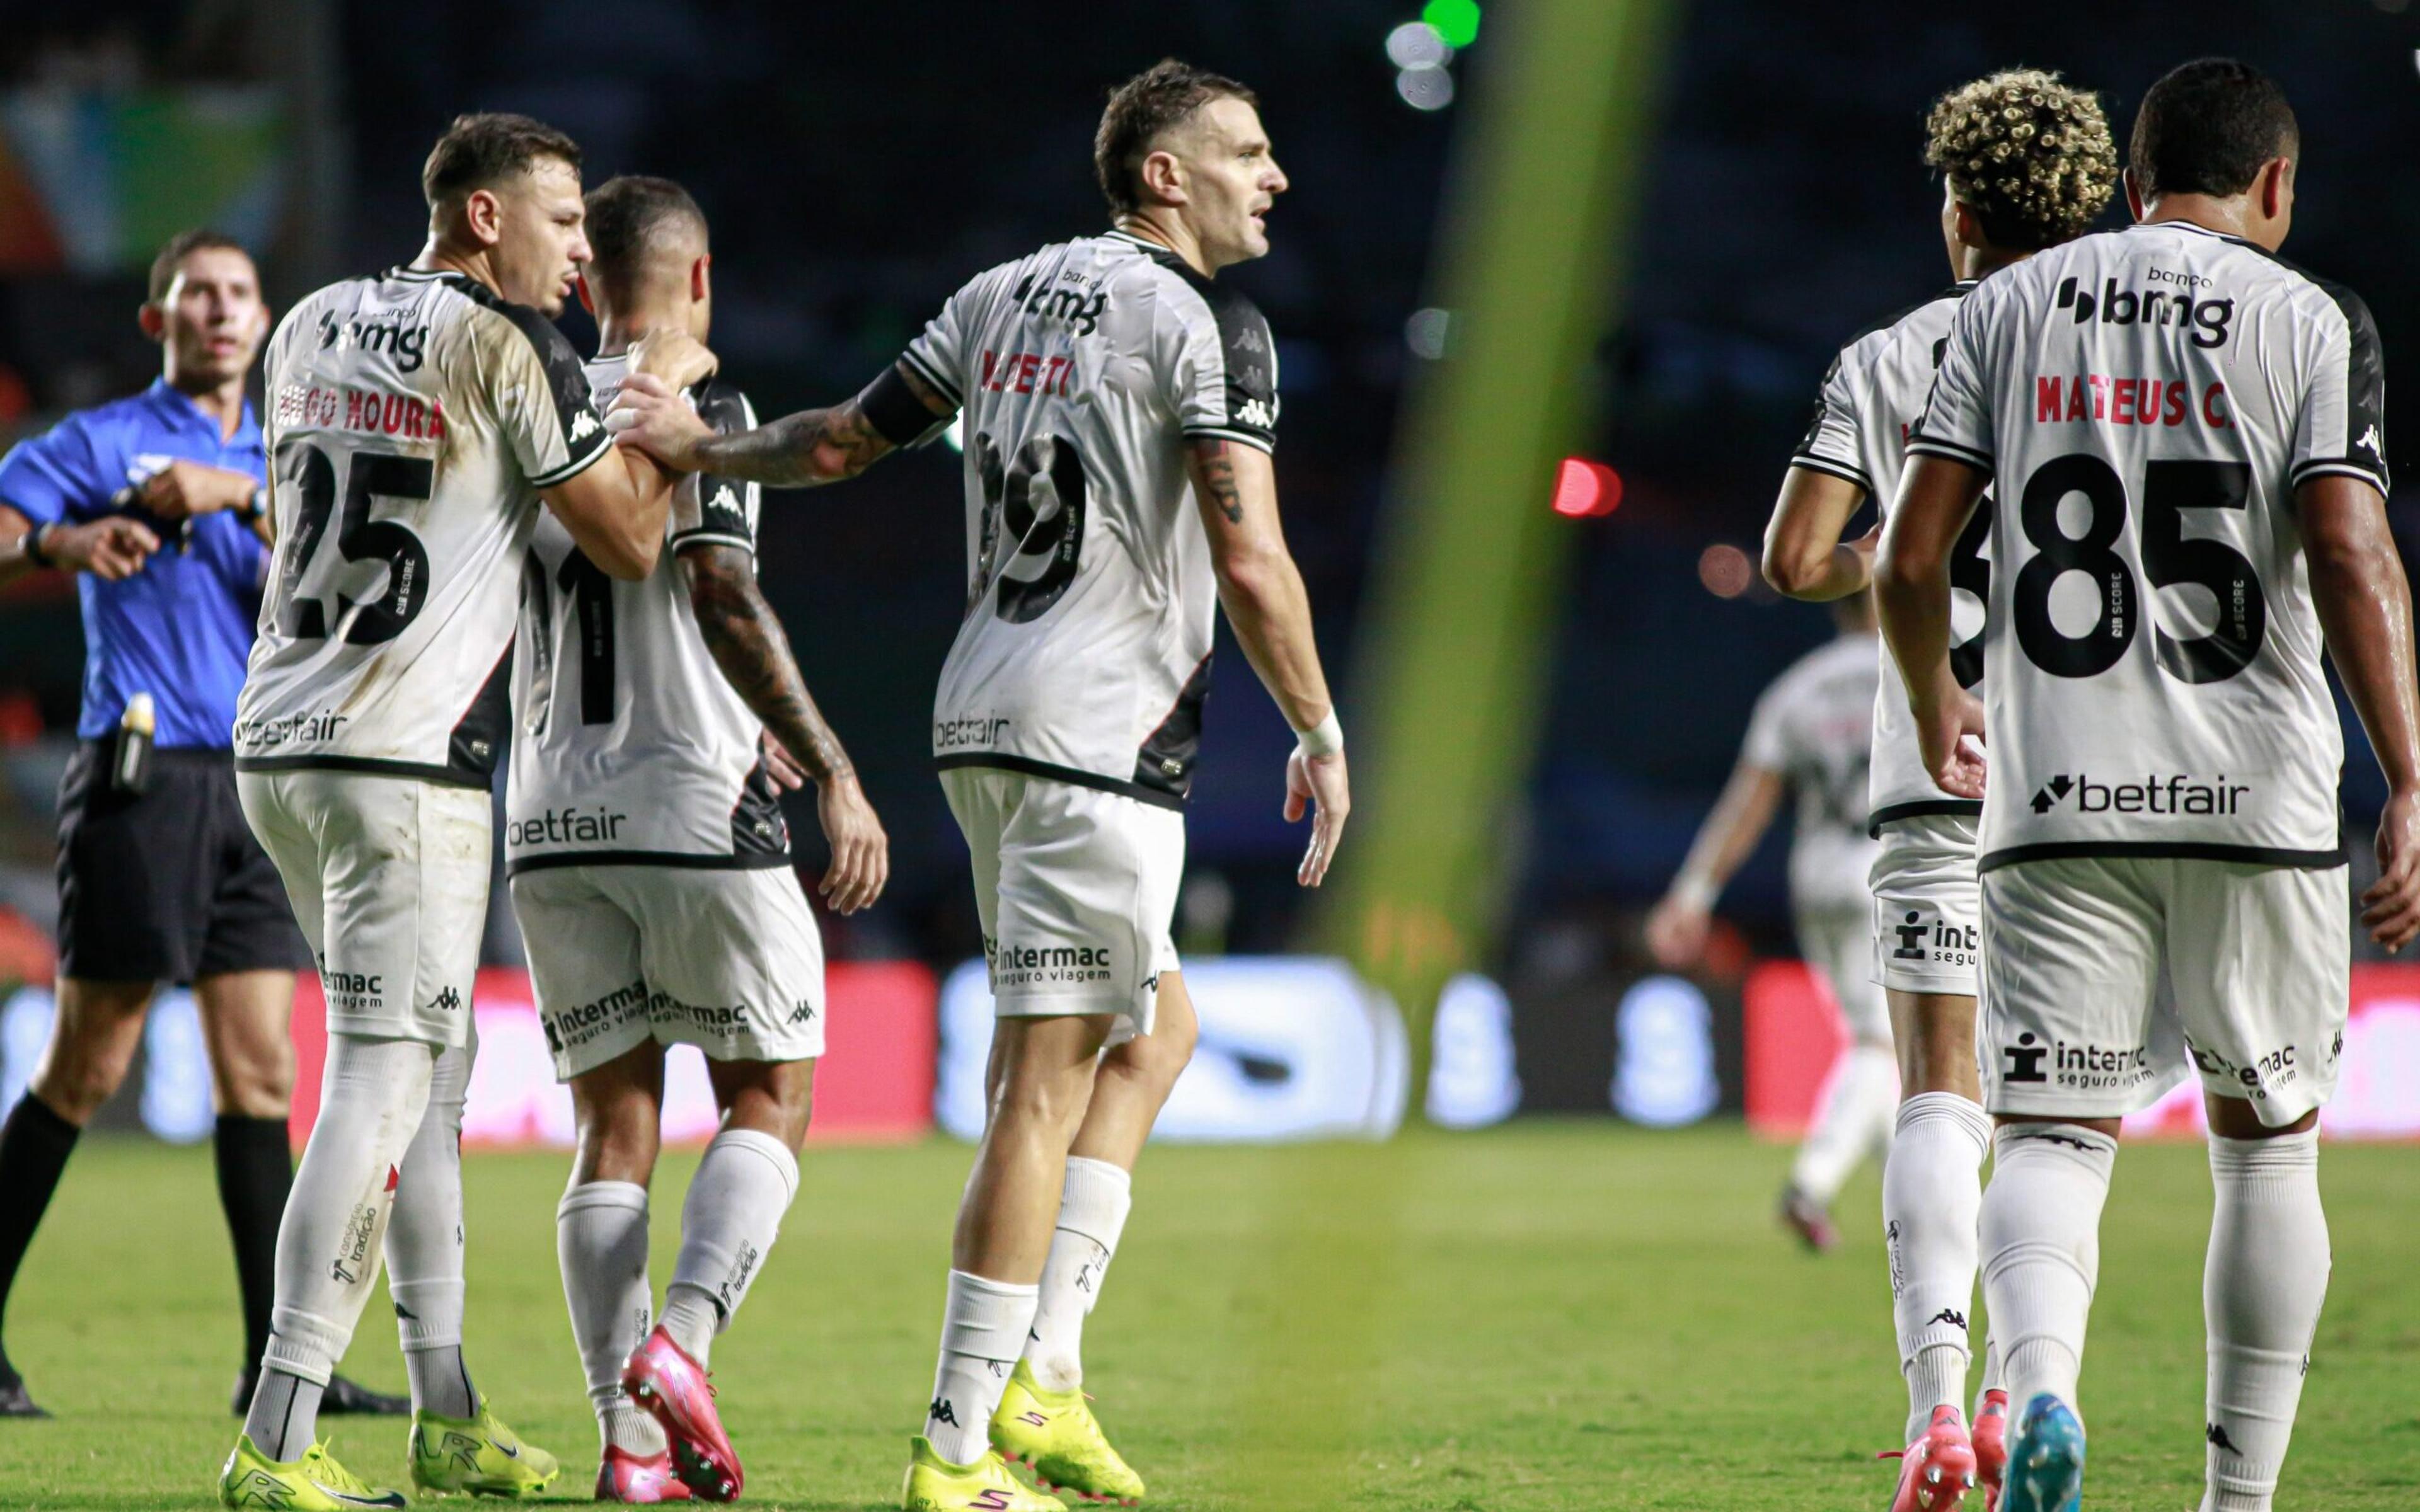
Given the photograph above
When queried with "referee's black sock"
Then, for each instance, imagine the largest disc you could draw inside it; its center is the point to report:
(256, 1172)
(35, 1144)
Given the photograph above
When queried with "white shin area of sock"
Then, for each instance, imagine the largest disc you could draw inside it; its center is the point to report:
(423, 1247)
(2262, 1288)
(601, 1239)
(371, 1098)
(1932, 1195)
(984, 1329)
(1854, 1121)
(2041, 1250)
(729, 1220)
(1093, 1210)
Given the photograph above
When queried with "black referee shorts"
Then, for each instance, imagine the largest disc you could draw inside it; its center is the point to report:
(166, 885)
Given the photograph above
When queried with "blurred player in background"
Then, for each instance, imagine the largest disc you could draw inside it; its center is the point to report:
(1811, 730)
(1120, 409)
(651, 874)
(2026, 161)
(417, 419)
(2184, 432)
(160, 880)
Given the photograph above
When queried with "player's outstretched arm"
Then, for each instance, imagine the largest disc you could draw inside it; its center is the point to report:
(800, 450)
(2364, 604)
(1936, 497)
(1803, 554)
(615, 507)
(747, 643)
(1676, 929)
(1258, 582)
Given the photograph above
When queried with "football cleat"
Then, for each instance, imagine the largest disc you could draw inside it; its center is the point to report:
(1054, 1434)
(478, 1454)
(342, 1399)
(1807, 1218)
(672, 1388)
(623, 1477)
(1991, 1436)
(935, 1485)
(14, 1401)
(315, 1483)
(1937, 1471)
(2045, 1467)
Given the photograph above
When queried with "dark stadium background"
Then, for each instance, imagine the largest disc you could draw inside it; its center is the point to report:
(859, 160)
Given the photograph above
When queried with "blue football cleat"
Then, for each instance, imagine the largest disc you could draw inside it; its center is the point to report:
(2045, 1470)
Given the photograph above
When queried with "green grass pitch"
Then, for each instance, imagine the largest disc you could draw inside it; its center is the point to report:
(1559, 1315)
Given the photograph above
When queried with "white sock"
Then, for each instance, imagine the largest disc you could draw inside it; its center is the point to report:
(1932, 1194)
(1092, 1214)
(1992, 1380)
(371, 1097)
(2041, 1250)
(2266, 1277)
(423, 1247)
(1855, 1119)
(982, 1332)
(601, 1237)
(728, 1223)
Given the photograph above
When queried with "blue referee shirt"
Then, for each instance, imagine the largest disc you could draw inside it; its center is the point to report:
(181, 628)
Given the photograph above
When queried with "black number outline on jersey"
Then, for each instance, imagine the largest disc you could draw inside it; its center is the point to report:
(591, 593)
(2170, 559)
(308, 469)
(1971, 572)
(1009, 516)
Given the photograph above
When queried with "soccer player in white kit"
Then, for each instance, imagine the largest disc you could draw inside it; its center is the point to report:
(1119, 407)
(417, 418)
(1812, 731)
(2026, 161)
(2183, 433)
(651, 874)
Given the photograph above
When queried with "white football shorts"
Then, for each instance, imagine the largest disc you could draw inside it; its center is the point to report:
(1836, 943)
(2072, 1022)
(1076, 891)
(727, 959)
(1928, 923)
(389, 880)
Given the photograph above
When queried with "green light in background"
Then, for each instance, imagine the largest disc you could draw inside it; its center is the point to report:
(1456, 21)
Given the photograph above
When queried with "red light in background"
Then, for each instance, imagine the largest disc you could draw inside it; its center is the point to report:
(1584, 489)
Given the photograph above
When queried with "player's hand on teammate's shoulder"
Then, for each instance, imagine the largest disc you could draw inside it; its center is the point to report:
(651, 415)
(112, 548)
(184, 488)
(2391, 905)
(861, 851)
(673, 357)
(1317, 785)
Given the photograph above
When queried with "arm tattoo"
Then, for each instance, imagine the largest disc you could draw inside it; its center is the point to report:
(1218, 476)
(798, 450)
(748, 644)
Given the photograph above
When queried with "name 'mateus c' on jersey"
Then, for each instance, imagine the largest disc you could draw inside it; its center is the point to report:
(1870, 397)
(1082, 371)
(412, 419)
(2148, 400)
(629, 748)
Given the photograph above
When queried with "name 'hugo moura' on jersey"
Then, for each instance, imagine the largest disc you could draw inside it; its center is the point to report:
(630, 745)
(1085, 651)
(413, 418)
(2149, 399)
(1871, 396)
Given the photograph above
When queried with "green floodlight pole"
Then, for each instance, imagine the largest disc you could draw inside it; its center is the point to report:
(1453, 657)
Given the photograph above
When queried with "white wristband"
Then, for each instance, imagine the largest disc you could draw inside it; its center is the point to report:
(1325, 738)
(1695, 893)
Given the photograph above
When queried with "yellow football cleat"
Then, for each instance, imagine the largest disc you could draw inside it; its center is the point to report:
(935, 1485)
(1055, 1434)
(477, 1455)
(315, 1483)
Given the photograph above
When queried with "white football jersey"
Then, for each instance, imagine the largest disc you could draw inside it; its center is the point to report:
(412, 419)
(628, 747)
(2147, 401)
(1085, 651)
(1815, 726)
(1870, 398)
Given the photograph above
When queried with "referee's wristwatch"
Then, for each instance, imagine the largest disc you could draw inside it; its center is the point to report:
(29, 545)
(255, 506)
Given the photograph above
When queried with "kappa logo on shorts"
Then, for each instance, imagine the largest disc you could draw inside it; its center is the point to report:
(449, 1000)
(802, 1013)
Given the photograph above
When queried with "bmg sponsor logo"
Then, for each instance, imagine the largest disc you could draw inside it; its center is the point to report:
(2205, 320)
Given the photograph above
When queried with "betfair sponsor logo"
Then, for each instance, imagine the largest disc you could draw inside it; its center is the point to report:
(2170, 797)
(315, 728)
(566, 826)
(951, 734)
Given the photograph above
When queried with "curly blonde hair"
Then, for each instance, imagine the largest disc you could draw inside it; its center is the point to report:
(2031, 156)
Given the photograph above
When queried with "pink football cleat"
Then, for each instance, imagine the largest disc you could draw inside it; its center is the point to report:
(623, 1477)
(1938, 1470)
(1991, 1437)
(672, 1388)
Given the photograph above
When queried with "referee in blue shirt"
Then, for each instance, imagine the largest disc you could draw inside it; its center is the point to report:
(156, 503)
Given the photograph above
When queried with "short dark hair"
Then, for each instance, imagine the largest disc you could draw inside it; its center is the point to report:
(1158, 100)
(174, 252)
(478, 150)
(631, 217)
(2208, 127)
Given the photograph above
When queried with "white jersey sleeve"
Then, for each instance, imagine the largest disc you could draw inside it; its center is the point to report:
(1221, 372)
(2341, 425)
